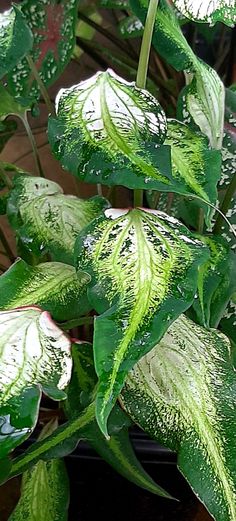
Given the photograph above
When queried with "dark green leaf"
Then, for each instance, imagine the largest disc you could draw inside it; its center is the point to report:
(131, 27)
(183, 394)
(35, 356)
(53, 286)
(146, 264)
(10, 105)
(16, 39)
(228, 322)
(53, 27)
(46, 220)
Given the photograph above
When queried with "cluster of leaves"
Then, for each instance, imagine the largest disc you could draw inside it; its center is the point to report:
(157, 289)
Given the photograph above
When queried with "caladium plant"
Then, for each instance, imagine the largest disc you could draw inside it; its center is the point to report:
(152, 285)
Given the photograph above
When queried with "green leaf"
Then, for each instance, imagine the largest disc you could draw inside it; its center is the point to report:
(216, 283)
(46, 219)
(208, 11)
(145, 264)
(115, 4)
(204, 99)
(53, 286)
(117, 451)
(229, 141)
(53, 27)
(182, 393)
(44, 493)
(11, 106)
(131, 27)
(35, 357)
(228, 322)
(168, 38)
(13, 30)
(193, 161)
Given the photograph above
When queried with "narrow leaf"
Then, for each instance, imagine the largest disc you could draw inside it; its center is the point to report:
(145, 264)
(35, 356)
(46, 219)
(117, 451)
(13, 29)
(53, 286)
(53, 27)
(183, 394)
(208, 11)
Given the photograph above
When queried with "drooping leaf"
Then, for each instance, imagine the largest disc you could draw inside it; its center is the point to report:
(117, 451)
(46, 219)
(53, 286)
(144, 264)
(13, 29)
(216, 283)
(44, 490)
(35, 356)
(208, 11)
(193, 161)
(168, 38)
(131, 27)
(183, 394)
(53, 27)
(203, 100)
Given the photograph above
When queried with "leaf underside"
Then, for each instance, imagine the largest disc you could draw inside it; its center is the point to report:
(182, 394)
(143, 266)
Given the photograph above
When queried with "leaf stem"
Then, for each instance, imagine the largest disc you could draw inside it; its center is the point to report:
(224, 207)
(6, 246)
(99, 189)
(70, 324)
(5, 178)
(41, 85)
(200, 224)
(33, 144)
(138, 198)
(146, 45)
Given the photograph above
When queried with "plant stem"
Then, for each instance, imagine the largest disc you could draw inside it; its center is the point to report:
(200, 224)
(99, 189)
(33, 145)
(225, 205)
(41, 85)
(143, 67)
(146, 44)
(5, 178)
(70, 324)
(6, 246)
(138, 198)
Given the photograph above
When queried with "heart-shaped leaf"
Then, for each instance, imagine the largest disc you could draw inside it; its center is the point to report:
(208, 11)
(53, 286)
(117, 451)
(46, 220)
(53, 27)
(183, 394)
(13, 30)
(216, 283)
(35, 357)
(145, 265)
(193, 161)
(44, 490)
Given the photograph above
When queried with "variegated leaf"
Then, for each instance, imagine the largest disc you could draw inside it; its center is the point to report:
(183, 394)
(53, 286)
(11, 106)
(216, 283)
(168, 38)
(193, 161)
(46, 219)
(35, 356)
(131, 27)
(53, 27)
(117, 451)
(100, 132)
(208, 11)
(13, 29)
(144, 264)
(44, 490)
(229, 141)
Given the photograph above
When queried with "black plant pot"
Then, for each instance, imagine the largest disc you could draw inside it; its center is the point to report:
(98, 492)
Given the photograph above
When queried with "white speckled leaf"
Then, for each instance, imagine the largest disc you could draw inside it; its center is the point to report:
(35, 356)
(183, 394)
(145, 265)
(46, 219)
(13, 29)
(208, 11)
(53, 26)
